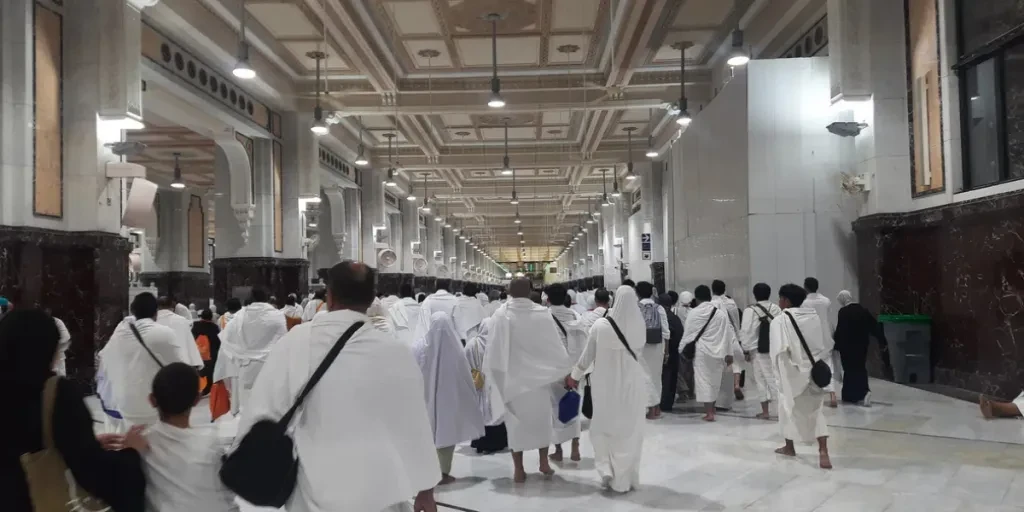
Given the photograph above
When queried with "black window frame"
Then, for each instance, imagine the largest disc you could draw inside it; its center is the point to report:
(995, 50)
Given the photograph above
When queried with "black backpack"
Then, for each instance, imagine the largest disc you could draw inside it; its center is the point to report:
(764, 344)
(263, 469)
(652, 320)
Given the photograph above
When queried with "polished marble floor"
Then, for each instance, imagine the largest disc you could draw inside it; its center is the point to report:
(911, 451)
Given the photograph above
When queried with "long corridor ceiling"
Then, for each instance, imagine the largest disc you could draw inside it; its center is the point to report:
(576, 74)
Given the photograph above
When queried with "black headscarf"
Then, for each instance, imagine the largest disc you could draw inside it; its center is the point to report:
(28, 344)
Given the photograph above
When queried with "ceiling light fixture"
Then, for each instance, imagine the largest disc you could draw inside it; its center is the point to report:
(515, 199)
(506, 169)
(518, 220)
(495, 101)
(426, 195)
(361, 158)
(615, 188)
(242, 68)
(177, 182)
(738, 56)
(683, 118)
(319, 125)
(651, 152)
(630, 175)
(390, 181)
(391, 178)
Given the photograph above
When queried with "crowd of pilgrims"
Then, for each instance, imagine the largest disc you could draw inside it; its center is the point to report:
(518, 370)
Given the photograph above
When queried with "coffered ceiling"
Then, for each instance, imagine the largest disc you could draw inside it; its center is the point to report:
(576, 75)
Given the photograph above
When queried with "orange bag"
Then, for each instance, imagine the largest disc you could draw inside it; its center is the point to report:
(203, 342)
(220, 401)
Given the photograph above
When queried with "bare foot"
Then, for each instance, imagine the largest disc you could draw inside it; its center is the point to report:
(557, 456)
(824, 462)
(708, 418)
(986, 407)
(446, 479)
(763, 416)
(738, 392)
(787, 451)
(575, 456)
(519, 477)
(547, 470)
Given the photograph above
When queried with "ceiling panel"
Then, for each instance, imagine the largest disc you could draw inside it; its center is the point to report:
(457, 120)
(554, 133)
(283, 20)
(462, 134)
(703, 13)
(415, 46)
(382, 122)
(574, 14)
(514, 133)
(512, 51)
(299, 49)
(559, 43)
(413, 18)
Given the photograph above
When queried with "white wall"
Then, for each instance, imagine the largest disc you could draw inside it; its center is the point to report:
(639, 269)
(709, 195)
(800, 222)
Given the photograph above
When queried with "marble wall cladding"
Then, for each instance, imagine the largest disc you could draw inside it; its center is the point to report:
(658, 276)
(279, 276)
(389, 284)
(321, 273)
(425, 284)
(598, 281)
(983, 21)
(81, 276)
(187, 287)
(962, 265)
(588, 282)
(456, 286)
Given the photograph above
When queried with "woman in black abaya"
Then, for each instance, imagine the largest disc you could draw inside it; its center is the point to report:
(856, 324)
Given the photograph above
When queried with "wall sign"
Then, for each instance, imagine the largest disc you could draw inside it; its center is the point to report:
(645, 246)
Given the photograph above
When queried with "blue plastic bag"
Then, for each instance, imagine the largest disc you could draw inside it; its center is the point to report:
(569, 406)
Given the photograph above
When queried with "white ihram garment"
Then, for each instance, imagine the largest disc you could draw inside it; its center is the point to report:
(440, 300)
(654, 356)
(467, 315)
(574, 340)
(524, 359)
(182, 329)
(60, 366)
(182, 467)
(313, 307)
(362, 435)
(452, 407)
(387, 302)
(475, 349)
(590, 317)
(821, 305)
(718, 341)
(490, 308)
(245, 344)
(404, 318)
(618, 385)
(293, 311)
(800, 401)
(482, 297)
(764, 376)
(126, 370)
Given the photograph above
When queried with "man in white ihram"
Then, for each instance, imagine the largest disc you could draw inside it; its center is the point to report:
(523, 362)
(468, 313)
(182, 329)
(404, 316)
(821, 304)
(716, 343)
(362, 437)
(653, 353)
(754, 339)
(245, 345)
(573, 335)
(800, 400)
(726, 304)
(441, 300)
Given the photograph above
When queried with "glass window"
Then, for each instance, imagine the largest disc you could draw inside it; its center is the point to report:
(981, 125)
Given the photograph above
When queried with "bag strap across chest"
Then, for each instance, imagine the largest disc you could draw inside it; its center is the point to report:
(622, 338)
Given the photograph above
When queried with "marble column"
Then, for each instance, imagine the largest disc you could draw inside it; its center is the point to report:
(354, 220)
(373, 213)
(651, 211)
(180, 264)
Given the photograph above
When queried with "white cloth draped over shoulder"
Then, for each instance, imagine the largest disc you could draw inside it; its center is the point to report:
(404, 317)
(619, 388)
(710, 372)
(313, 307)
(60, 366)
(126, 370)
(245, 344)
(524, 359)
(590, 317)
(822, 306)
(575, 340)
(363, 435)
(482, 297)
(467, 316)
(491, 307)
(387, 302)
(800, 401)
(440, 300)
(293, 311)
(182, 329)
(475, 349)
(452, 406)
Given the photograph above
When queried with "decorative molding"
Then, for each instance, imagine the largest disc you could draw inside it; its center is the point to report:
(810, 43)
(332, 161)
(390, 199)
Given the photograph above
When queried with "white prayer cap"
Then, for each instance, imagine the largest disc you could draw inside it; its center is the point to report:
(686, 298)
(844, 298)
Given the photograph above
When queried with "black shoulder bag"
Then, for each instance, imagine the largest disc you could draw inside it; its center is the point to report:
(764, 331)
(821, 374)
(138, 336)
(690, 349)
(561, 327)
(588, 403)
(263, 469)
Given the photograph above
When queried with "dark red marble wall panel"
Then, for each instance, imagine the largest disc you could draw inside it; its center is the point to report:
(280, 276)
(187, 287)
(963, 264)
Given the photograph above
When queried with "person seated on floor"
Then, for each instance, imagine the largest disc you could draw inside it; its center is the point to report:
(183, 461)
(998, 409)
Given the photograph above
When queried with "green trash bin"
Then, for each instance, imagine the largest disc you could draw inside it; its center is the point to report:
(910, 347)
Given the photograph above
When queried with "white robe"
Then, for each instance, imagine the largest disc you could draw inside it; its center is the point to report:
(182, 311)
(454, 413)
(126, 370)
(245, 345)
(475, 349)
(387, 302)
(800, 401)
(404, 318)
(294, 311)
(619, 389)
(719, 340)
(313, 307)
(654, 356)
(491, 307)
(482, 297)
(60, 366)
(590, 317)
(764, 376)
(363, 434)
(821, 305)
(440, 300)
(182, 467)
(574, 340)
(467, 316)
(183, 332)
(524, 360)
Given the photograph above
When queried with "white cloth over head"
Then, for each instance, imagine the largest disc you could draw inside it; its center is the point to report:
(405, 318)
(524, 359)
(452, 407)
(619, 387)
(245, 344)
(800, 401)
(845, 298)
(182, 329)
(467, 315)
(362, 435)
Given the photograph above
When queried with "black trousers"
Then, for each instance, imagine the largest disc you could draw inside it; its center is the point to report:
(670, 376)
